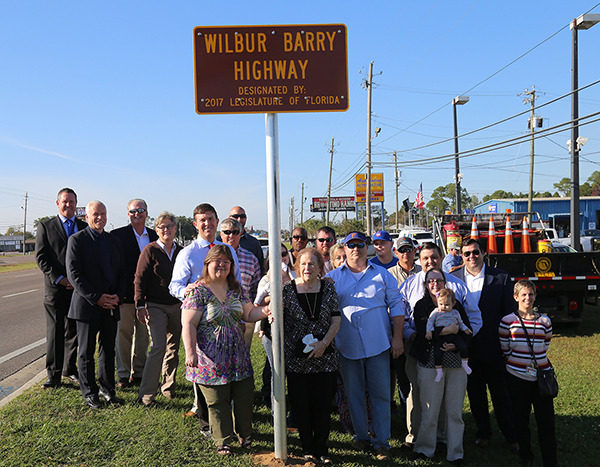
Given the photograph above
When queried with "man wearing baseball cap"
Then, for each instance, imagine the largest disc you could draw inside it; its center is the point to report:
(406, 267)
(453, 259)
(368, 334)
(384, 249)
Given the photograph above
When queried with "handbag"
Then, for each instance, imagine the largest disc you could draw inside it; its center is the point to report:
(546, 379)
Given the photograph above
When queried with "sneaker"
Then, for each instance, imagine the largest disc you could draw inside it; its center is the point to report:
(361, 445)
(382, 453)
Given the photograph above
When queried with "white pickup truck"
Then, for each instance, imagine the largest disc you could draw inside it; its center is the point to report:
(589, 241)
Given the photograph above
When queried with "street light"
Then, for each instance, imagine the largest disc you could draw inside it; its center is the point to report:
(583, 22)
(460, 100)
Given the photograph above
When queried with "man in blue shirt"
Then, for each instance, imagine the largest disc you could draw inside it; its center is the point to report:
(366, 338)
(384, 249)
(453, 259)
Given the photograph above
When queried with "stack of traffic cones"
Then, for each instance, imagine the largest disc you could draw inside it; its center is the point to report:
(491, 248)
(525, 244)
(509, 247)
(474, 231)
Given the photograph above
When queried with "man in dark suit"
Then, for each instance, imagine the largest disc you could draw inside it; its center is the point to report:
(96, 269)
(132, 336)
(493, 290)
(50, 252)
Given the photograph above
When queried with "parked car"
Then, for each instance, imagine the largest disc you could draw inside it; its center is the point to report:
(561, 248)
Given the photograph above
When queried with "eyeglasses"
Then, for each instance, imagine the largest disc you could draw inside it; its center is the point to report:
(140, 210)
(165, 227)
(239, 216)
(222, 262)
(299, 237)
(284, 254)
(328, 240)
(466, 254)
(405, 249)
(360, 245)
(230, 232)
(436, 281)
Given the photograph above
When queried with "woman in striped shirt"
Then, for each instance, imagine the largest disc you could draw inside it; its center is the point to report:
(522, 373)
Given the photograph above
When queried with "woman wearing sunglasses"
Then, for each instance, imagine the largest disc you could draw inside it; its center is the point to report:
(451, 390)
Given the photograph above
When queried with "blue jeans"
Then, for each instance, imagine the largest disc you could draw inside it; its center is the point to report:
(369, 374)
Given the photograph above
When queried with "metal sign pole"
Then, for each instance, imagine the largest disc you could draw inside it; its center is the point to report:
(272, 147)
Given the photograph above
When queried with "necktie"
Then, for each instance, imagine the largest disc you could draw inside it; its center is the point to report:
(69, 223)
(211, 245)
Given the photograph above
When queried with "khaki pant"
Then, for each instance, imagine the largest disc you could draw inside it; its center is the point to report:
(230, 410)
(164, 327)
(131, 334)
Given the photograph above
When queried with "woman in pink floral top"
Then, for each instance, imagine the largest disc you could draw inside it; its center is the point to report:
(217, 357)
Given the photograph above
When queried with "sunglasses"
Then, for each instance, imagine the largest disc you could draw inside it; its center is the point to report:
(360, 245)
(140, 210)
(230, 232)
(405, 249)
(322, 240)
(239, 216)
(466, 254)
(299, 237)
(436, 281)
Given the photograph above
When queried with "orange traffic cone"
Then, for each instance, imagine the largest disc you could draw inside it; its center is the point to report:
(474, 232)
(492, 238)
(509, 247)
(525, 244)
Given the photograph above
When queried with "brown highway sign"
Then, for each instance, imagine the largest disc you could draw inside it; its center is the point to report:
(271, 69)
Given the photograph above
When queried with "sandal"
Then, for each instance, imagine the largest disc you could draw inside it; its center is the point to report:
(326, 460)
(246, 443)
(224, 450)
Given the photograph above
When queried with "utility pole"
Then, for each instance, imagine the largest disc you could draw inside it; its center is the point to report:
(368, 178)
(24, 222)
(396, 178)
(532, 125)
(329, 186)
(291, 216)
(302, 206)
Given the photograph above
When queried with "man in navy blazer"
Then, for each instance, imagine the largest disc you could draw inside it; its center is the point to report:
(50, 251)
(96, 269)
(494, 292)
(132, 335)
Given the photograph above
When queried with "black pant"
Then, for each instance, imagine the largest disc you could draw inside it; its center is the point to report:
(523, 395)
(310, 397)
(399, 367)
(106, 330)
(61, 336)
(456, 339)
(493, 375)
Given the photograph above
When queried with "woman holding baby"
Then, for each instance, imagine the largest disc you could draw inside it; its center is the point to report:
(311, 319)
(440, 324)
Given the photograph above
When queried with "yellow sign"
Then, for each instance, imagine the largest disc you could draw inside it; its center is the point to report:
(543, 266)
(376, 188)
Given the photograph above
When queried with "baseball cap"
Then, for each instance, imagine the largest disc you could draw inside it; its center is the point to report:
(454, 246)
(382, 235)
(404, 241)
(355, 236)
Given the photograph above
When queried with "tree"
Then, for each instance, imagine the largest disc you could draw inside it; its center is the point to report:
(499, 194)
(443, 199)
(311, 226)
(348, 225)
(37, 221)
(564, 186)
(185, 229)
(18, 232)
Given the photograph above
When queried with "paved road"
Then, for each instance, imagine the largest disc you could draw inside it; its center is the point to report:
(22, 317)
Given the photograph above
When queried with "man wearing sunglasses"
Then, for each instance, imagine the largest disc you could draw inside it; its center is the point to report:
(492, 288)
(325, 240)
(299, 240)
(249, 242)
(132, 335)
(249, 267)
(406, 267)
(366, 339)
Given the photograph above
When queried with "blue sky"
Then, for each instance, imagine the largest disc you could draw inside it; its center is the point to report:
(99, 96)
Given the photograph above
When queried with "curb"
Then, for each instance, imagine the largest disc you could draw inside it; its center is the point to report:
(38, 378)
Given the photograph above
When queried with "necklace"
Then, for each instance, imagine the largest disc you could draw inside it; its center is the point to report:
(313, 309)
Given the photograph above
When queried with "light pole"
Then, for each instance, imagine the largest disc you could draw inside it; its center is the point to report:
(583, 22)
(460, 100)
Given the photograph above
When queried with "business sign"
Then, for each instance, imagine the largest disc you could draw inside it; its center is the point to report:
(493, 208)
(271, 69)
(341, 203)
(361, 188)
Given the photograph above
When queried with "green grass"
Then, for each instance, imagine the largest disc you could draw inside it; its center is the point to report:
(54, 428)
(17, 267)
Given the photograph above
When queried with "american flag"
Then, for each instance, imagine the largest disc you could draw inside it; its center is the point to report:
(419, 203)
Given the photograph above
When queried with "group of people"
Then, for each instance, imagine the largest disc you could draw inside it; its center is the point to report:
(379, 324)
